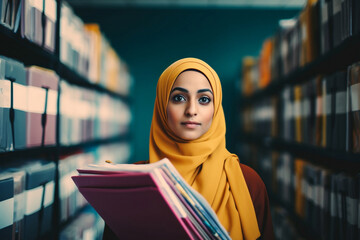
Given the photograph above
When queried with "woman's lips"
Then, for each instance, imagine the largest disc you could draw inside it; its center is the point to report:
(190, 124)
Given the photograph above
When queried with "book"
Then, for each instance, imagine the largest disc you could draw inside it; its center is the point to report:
(339, 127)
(325, 26)
(319, 119)
(354, 108)
(148, 201)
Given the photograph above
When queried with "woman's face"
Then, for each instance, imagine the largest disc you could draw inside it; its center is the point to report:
(190, 108)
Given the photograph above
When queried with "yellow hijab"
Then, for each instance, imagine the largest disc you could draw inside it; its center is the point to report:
(205, 163)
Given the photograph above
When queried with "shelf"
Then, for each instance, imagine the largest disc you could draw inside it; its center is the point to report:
(22, 153)
(337, 160)
(301, 226)
(75, 78)
(13, 46)
(40, 151)
(117, 139)
(67, 222)
(336, 59)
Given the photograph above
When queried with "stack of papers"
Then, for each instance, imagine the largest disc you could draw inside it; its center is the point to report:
(148, 201)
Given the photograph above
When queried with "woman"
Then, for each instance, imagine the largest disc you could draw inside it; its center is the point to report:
(188, 127)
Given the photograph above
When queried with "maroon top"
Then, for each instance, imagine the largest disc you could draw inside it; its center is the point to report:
(260, 200)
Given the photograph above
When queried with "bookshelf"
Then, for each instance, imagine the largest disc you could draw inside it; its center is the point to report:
(294, 153)
(337, 58)
(330, 158)
(88, 148)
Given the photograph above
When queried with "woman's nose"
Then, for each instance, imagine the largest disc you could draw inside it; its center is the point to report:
(191, 108)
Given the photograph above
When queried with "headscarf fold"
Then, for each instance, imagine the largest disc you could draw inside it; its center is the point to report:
(204, 163)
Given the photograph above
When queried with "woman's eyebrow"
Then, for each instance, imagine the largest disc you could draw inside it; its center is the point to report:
(180, 89)
(205, 90)
(186, 91)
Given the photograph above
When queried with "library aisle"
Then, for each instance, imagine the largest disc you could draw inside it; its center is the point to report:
(78, 81)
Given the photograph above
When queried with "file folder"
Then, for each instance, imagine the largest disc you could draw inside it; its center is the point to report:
(6, 143)
(292, 115)
(19, 202)
(10, 11)
(325, 26)
(72, 113)
(325, 191)
(42, 106)
(67, 113)
(334, 209)
(50, 24)
(298, 98)
(87, 224)
(16, 72)
(354, 108)
(38, 22)
(39, 198)
(132, 206)
(329, 109)
(319, 112)
(13, 104)
(340, 127)
(70, 200)
(311, 118)
(6, 206)
(352, 208)
(299, 196)
(64, 39)
(31, 21)
(337, 22)
(287, 114)
(356, 17)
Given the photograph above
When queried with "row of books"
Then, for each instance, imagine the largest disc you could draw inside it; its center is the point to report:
(339, 20)
(27, 200)
(284, 226)
(326, 200)
(34, 20)
(27, 191)
(84, 48)
(87, 226)
(29, 107)
(320, 26)
(324, 112)
(90, 115)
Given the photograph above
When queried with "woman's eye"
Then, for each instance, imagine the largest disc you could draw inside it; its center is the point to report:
(178, 98)
(204, 100)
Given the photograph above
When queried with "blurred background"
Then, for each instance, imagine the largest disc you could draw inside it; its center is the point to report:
(78, 81)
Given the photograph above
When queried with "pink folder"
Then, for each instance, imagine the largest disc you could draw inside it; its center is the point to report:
(133, 206)
(41, 78)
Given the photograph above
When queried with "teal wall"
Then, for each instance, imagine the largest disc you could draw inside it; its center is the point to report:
(151, 39)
